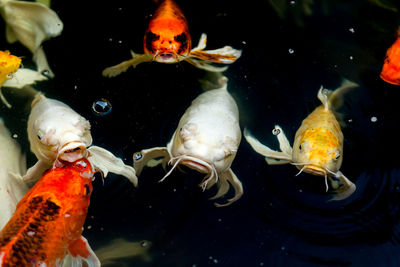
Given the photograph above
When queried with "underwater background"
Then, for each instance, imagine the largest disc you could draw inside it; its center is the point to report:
(290, 49)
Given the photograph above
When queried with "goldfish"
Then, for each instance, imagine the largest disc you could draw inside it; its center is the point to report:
(391, 67)
(12, 164)
(12, 76)
(206, 140)
(48, 222)
(318, 144)
(58, 135)
(167, 40)
(31, 24)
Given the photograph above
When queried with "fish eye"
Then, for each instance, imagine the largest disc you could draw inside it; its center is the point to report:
(300, 147)
(337, 157)
(40, 134)
(87, 190)
(10, 75)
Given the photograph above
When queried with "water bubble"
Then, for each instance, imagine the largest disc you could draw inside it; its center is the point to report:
(46, 72)
(101, 107)
(374, 119)
(144, 244)
(291, 51)
(276, 131)
(15, 136)
(351, 57)
(9, 76)
(351, 30)
(137, 156)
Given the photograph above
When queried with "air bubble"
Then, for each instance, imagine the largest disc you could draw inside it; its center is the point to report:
(276, 131)
(291, 51)
(374, 119)
(138, 156)
(101, 107)
(144, 244)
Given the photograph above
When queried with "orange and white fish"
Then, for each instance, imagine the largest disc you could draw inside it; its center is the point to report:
(12, 76)
(47, 224)
(391, 67)
(167, 40)
(318, 144)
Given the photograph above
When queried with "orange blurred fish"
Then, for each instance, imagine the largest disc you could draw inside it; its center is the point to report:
(318, 144)
(167, 40)
(48, 221)
(391, 67)
(9, 64)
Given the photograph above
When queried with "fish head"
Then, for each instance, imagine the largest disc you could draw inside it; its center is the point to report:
(167, 42)
(59, 140)
(9, 64)
(390, 69)
(317, 157)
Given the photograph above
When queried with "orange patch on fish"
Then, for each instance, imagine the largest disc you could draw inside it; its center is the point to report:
(391, 67)
(8, 65)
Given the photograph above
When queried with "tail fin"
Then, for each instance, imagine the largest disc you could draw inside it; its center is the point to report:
(334, 99)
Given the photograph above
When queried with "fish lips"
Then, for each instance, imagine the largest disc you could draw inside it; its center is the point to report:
(72, 151)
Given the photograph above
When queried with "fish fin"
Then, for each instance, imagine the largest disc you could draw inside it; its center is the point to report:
(334, 99)
(120, 248)
(271, 161)
(41, 62)
(80, 250)
(284, 144)
(223, 186)
(10, 35)
(123, 66)
(23, 77)
(104, 160)
(34, 173)
(266, 151)
(202, 43)
(342, 188)
(237, 186)
(142, 158)
(204, 66)
(31, 23)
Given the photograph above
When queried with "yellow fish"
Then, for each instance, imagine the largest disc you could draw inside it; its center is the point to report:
(9, 64)
(318, 144)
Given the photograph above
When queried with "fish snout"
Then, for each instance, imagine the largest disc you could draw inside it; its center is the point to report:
(315, 170)
(72, 151)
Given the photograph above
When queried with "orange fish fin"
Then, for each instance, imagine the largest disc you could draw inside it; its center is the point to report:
(80, 250)
(123, 66)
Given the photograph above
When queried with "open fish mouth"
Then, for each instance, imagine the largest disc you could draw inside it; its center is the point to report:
(165, 57)
(71, 152)
(316, 170)
(195, 164)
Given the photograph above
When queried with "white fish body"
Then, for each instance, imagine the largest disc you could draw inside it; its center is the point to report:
(206, 140)
(12, 165)
(58, 134)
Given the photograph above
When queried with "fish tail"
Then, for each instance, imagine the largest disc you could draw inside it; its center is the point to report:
(332, 100)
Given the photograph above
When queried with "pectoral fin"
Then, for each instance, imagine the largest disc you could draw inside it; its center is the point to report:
(271, 156)
(36, 171)
(342, 187)
(105, 161)
(123, 66)
(147, 157)
(80, 250)
(237, 186)
(205, 66)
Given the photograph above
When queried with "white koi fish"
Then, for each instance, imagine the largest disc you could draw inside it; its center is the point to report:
(12, 165)
(58, 134)
(30, 24)
(206, 140)
(318, 144)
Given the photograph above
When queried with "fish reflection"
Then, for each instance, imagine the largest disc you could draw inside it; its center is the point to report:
(167, 40)
(318, 144)
(49, 220)
(206, 140)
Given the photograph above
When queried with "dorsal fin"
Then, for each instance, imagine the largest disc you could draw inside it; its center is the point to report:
(334, 99)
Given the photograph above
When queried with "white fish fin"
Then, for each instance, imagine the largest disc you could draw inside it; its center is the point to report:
(124, 66)
(271, 161)
(334, 99)
(23, 77)
(31, 23)
(323, 96)
(78, 249)
(10, 35)
(223, 186)
(104, 160)
(34, 173)
(120, 248)
(202, 43)
(204, 66)
(343, 188)
(264, 150)
(41, 62)
(142, 158)
(284, 144)
(237, 185)
(224, 55)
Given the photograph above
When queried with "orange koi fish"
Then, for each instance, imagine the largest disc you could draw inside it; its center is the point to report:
(9, 64)
(167, 40)
(391, 67)
(318, 144)
(48, 221)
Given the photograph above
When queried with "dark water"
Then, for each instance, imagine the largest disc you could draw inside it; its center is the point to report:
(282, 219)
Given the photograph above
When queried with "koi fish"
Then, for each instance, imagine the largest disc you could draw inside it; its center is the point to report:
(12, 76)
(13, 161)
(391, 67)
(48, 222)
(167, 40)
(318, 144)
(206, 140)
(31, 24)
(57, 135)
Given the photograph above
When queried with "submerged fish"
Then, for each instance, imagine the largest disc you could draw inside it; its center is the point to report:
(57, 134)
(48, 222)
(318, 144)
(206, 140)
(30, 24)
(391, 67)
(12, 76)
(12, 165)
(167, 40)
